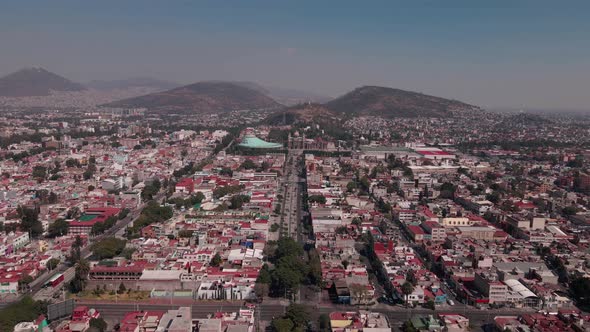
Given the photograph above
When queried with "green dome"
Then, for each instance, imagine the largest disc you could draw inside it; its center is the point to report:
(253, 142)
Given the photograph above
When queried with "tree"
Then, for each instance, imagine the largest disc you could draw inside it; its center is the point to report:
(122, 288)
(52, 199)
(408, 172)
(73, 213)
(447, 190)
(185, 233)
(569, 210)
(124, 212)
(72, 163)
(299, 314)
(314, 276)
(580, 290)
(87, 175)
(78, 242)
(58, 228)
(264, 275)
(341, 230)
(411, 277)
(98, 324)
(317, 199)
(356, 221)
(277, 209)
(407, 289)
(365, 184)
(108, 247)
(359, 293)
(248, 164)
(282, 325)
(324, 323)
(24, 281)
(128, 253)
(237, 201)
(287, 246)
(25, 310)
(286, 279)
(52, 263)
(261, 290)
(30, 221)
(430, 304)
(494, 197)
(82, 269)
(152, 213)
(345, 264)
(408, 327)
(226, 190)
(97, 228)
(216, 260)
(226, 171)
(39, 172)
(151, 189)
(74, 255)
(351, 186)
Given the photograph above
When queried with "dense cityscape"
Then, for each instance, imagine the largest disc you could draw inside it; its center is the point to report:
(139, 221)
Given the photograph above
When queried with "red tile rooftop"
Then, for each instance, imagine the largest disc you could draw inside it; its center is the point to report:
(416, 229)
(433, 153)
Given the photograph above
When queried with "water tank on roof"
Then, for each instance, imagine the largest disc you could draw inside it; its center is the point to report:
(24, 327)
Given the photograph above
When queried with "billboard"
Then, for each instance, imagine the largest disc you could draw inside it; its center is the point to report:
(60, 309)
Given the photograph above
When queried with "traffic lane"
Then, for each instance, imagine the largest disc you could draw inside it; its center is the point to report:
(116, 311)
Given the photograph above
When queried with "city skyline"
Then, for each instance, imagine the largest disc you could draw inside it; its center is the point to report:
(529, 55)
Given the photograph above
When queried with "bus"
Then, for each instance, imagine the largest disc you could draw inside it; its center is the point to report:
(55, 280)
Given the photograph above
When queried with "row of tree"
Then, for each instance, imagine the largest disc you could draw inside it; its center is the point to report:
(297, 317)
(289, 269)
(187, 202)
(152, 213)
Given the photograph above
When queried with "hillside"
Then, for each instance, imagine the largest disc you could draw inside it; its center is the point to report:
(284, 96)
(136, 82)
(304, 113)
(389, 102)
(35, 82)
(202, 97)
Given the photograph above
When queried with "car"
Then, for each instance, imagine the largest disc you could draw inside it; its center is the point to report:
(450, 302)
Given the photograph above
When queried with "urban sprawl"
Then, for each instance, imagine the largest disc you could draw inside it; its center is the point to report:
(130, 220)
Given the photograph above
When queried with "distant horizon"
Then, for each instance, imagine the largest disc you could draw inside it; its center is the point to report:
(525, 54)
(504, 109)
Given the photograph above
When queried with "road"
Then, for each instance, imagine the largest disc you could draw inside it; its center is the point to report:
(116, 311)
(291, 208)
(396, 315)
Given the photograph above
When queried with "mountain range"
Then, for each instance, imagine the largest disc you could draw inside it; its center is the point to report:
(216, 96)
(389, 102)
(35, 82)
(202, 97)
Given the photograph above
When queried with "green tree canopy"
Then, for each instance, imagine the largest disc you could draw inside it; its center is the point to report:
(108, 247)
(98, 324)
(58, 228)
(216, 260)
(317, 199)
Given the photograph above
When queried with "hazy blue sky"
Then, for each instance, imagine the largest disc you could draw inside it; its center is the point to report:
(531, 54)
